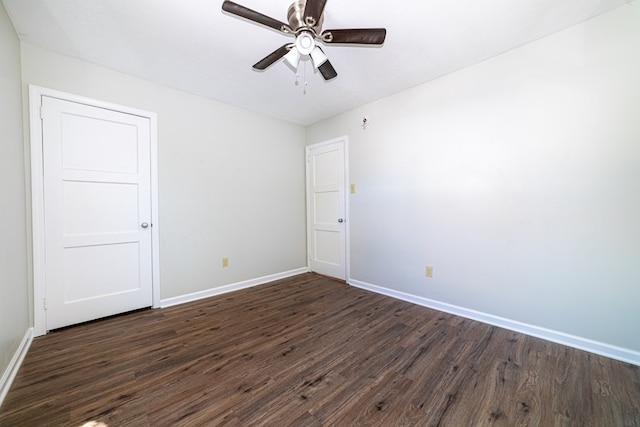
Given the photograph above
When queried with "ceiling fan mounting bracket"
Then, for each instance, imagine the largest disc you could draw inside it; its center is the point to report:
(297, 20)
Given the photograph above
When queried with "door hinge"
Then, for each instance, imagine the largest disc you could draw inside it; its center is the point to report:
(41, 112)
(45, 303)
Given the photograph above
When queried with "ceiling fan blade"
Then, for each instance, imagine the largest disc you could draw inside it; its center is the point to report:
(355, 36)
(313, 11)
(252, 15)
(327, 70)
(272, 57)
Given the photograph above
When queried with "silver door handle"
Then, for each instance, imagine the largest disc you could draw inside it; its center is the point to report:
(144, 225)
(340, 220)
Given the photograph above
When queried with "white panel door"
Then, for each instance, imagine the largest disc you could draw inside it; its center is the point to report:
(326, 208)
(97, 203)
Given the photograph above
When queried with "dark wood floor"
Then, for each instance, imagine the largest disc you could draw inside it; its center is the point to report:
(310, 351)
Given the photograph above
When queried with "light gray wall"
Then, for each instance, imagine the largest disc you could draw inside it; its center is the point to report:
(518, 179)
(231, 182)
(14, 307)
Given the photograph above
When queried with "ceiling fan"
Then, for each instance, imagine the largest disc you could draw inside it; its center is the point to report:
(305, 23)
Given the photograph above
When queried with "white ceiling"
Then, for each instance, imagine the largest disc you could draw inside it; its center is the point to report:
(193, 46)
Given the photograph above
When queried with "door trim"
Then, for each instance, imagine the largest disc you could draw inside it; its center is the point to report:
(37, 194)
(347, 255)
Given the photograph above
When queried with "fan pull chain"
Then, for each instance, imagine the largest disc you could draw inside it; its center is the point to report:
(306, 83)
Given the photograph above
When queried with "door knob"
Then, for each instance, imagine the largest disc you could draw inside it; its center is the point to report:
(144, 225)
(340, 220)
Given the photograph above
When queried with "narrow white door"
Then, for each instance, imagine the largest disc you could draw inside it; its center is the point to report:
(97, 203)
(326, 184)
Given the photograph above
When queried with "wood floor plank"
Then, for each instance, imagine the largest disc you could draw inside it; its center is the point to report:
(312, 351)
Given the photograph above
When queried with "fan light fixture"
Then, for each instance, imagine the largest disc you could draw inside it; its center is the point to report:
(318, 57)
(305, 43)
(293, 57)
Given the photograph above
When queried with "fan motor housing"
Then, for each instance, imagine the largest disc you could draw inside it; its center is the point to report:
(296, 18)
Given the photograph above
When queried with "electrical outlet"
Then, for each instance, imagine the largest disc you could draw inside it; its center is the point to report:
(352, 188)
(428, 271)
(225, 262)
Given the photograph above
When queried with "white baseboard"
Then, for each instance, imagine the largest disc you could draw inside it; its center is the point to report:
(230, 288)
(602, 349)
(14, 364)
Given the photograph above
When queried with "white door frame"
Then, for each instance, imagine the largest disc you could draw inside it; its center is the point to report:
(37, 194)
(346, 193)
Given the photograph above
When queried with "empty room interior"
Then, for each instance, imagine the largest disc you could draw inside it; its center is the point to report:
(418, 213)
